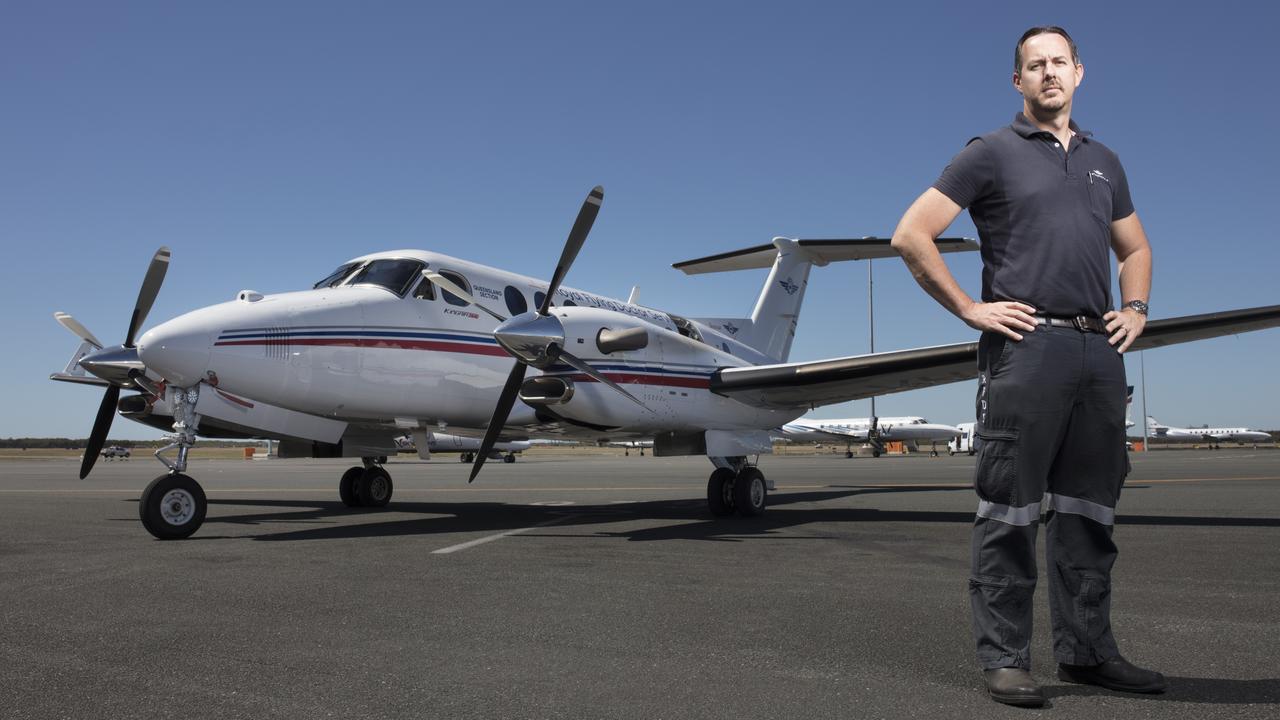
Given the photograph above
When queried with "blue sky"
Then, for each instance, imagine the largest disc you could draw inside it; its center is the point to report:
(266, 142)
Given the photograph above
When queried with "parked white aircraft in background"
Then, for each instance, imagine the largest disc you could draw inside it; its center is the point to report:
(1212, 436)
(629, 445)
(876, 431)
(466, 447)
(410, 339)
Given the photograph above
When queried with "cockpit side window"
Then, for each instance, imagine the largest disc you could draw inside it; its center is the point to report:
(460, 282)
(426, 290)
(394, 274)
(336, 276)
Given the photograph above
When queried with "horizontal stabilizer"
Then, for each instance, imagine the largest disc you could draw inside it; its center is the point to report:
(820, 252)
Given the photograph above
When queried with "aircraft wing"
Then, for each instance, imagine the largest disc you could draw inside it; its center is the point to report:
(825, 382)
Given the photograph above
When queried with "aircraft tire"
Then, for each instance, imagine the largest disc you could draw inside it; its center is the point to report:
(750, 492)
(465, 457)
(509, 458)
(374, 488)
(848, 454)
(172, 507)
(347, 486)
(720, 492)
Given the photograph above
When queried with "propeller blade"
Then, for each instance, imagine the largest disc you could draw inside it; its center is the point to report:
(147, 293)
(101, 426)
(500, 413)
(577, 236)
(448, 285)
(77, 329)
(583, 367)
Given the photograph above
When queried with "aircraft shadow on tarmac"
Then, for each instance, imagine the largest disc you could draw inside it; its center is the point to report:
(325, 520)
(1209, 691)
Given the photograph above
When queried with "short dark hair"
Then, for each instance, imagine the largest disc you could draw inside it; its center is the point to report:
(1043, 30)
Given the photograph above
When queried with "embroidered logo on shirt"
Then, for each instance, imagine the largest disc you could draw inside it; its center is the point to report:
(1098, 174)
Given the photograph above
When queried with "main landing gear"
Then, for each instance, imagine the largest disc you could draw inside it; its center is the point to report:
(735, 486)
(367, 485)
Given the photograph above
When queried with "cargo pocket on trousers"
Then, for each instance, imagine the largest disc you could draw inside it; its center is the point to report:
(995, 476)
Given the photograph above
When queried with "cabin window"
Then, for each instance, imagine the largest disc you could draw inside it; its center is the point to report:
(336, 276)
(458, 280)
(538, 297)
(686, 328)
(394, 274)
(516, 303)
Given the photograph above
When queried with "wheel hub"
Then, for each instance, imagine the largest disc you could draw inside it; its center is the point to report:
(378, 488)
(177, 507)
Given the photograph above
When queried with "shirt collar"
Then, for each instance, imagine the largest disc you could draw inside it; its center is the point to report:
(1023, 127)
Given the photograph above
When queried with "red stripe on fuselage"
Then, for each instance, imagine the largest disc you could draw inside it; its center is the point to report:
(378, 343)
(622, 378)
(646, 379)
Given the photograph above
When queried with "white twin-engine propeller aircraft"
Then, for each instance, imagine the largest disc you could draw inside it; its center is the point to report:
(873, 430)
(1212, 436)
(416, 342)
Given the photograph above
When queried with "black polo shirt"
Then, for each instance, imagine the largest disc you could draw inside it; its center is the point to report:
(1043, 215)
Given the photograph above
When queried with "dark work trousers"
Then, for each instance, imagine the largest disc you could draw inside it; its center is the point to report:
(1051, 411)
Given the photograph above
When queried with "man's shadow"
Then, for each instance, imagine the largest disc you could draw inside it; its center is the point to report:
(1211, 691)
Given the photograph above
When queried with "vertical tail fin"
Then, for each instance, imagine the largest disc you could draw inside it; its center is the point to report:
(773, 321)
(772, 324)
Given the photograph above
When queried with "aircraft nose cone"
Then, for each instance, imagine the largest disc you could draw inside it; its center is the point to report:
(178, 349)
(531, 338)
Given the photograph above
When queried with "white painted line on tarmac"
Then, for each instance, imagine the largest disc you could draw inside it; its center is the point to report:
(490, 538)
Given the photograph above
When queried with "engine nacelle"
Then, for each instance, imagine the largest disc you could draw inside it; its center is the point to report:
(664, 367)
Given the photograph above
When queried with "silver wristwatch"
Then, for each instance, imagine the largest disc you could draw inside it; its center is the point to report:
(1138, 305)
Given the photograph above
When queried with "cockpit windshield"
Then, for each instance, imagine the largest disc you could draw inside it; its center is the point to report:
(394, 274)
(336, 276)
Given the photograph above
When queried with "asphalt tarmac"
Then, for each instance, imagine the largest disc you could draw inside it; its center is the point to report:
(600, 587)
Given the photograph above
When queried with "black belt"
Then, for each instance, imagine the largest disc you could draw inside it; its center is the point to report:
(1083, 323)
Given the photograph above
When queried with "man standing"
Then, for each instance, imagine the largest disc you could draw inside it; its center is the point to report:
(1050, 204)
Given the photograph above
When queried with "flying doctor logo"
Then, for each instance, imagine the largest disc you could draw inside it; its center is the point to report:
(789, 286)
(731, 328)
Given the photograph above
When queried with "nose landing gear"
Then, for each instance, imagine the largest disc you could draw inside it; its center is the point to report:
(173, 506)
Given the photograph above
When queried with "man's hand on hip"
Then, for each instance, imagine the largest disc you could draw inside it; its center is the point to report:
(1124, 327)
(1005, 317)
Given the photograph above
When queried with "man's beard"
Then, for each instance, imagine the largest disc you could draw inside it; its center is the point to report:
(1052, 104)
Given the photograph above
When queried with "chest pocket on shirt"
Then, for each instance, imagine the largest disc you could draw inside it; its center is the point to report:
(1100, 197)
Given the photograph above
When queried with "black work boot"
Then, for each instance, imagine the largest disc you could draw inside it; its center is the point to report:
(1115, 674)
(1013, 686)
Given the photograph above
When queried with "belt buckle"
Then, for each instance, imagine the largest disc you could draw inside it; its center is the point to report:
(1082, 323)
